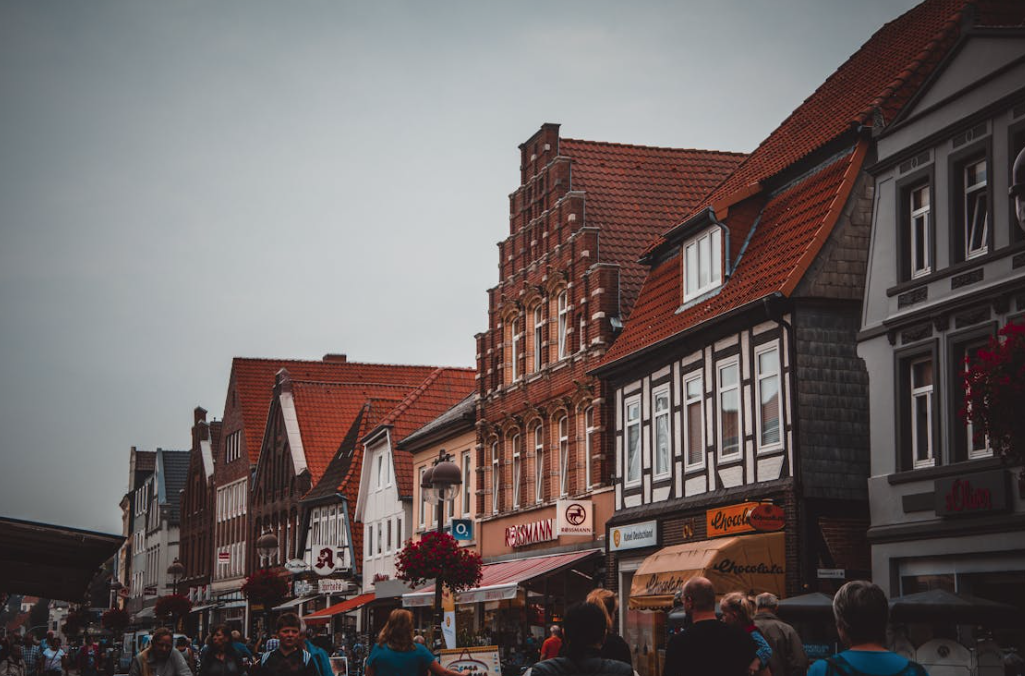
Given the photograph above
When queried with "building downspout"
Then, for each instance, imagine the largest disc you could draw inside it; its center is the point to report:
(726, 244)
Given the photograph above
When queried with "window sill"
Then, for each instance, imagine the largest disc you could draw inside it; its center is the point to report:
(943, 471)
(954, 269)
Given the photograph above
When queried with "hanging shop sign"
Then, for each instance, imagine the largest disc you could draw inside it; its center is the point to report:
(462, 529)
(574, 517)
(329, 560)
(334, 586)
(746, 517)
(530, 533)
(634, 536)
(980, 493)
(301, 588)
(296, 566)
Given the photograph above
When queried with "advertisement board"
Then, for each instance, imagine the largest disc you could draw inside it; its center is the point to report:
(478, 660)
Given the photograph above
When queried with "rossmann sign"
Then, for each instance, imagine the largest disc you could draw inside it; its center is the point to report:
(530, 533)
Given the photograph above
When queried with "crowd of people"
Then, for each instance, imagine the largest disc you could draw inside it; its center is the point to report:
(748, 639)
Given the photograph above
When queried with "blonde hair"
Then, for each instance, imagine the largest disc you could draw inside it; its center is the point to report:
(397, 633)
(605, 600)
(739, 604)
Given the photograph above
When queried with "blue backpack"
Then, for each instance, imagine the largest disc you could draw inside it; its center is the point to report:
(838, 666)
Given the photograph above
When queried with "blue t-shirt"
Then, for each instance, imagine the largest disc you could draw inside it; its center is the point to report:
(865, 661)
(388, 662)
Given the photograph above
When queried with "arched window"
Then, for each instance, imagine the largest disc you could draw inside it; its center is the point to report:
(539, 463)
(563, 456)
(514, 441)
(537, 331)
(563, 329)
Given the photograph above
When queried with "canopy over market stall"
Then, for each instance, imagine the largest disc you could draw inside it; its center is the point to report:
(747, 563)
(52, 562)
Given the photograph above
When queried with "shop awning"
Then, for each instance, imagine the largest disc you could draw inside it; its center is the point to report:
(144, 614)
(500, 581)
(747, 563)
(294, 602)
(227, 605)
(205, 606)
(325, 615)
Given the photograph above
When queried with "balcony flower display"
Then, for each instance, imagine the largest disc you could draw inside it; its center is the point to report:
(437, 557)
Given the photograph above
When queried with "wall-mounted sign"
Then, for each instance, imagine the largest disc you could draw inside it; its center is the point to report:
(334, 586)
(224, 556)
(831, 574)
(301, 588)
(736, 519)
(634, 536)
(462, 529)
(530, 533)
(981, 493)
(149, 590)
(296, 566)
(328, 560)
(574, 517)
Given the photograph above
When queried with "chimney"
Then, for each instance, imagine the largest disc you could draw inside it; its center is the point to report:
(198, 415)
(335, 358)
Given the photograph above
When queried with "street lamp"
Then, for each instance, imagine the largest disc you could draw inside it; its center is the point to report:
(440, 484)
(266, 546)
(177, 571)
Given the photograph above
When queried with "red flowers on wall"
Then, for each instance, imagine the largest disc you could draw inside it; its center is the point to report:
(437, 556)
(995, 393)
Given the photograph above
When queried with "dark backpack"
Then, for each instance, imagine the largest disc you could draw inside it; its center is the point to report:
(838, 666)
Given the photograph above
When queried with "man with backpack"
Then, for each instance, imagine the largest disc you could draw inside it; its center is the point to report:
(290, 658)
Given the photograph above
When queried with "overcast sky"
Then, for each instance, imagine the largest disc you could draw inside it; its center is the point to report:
(185, 182)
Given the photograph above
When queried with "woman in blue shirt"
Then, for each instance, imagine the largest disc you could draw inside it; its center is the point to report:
(395, 653)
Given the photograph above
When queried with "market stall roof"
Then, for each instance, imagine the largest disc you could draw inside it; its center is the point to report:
(938, 605)
(747, 563)
(323, 616)
(501, 580)
(53, 562)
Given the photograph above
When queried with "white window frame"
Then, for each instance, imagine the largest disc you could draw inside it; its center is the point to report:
(467, 487)
(928, 392)
(589, 432)
(539, 323)
(514, 441)
(920, 226)
(563, 326)
(661, 393)
(539, 463)
(760, 378)
(563, 429)
(632, 425)
(977, 193)
(422, 517)
(494, 477)
(721, 392)
(515, 339)
(380, 470)
(702, 254)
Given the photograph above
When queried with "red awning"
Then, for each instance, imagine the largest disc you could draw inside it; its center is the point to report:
(501, 580)
(325, 615)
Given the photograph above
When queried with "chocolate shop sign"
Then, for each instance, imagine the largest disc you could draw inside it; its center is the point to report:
(530, 533)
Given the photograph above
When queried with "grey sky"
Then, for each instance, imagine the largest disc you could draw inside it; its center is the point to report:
(183, 182)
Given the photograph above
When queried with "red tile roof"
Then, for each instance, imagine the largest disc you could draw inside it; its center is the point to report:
(254, 383)
(440, 391)
(634, 193)
(792, 224)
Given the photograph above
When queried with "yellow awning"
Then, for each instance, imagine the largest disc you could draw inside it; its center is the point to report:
(747, 563)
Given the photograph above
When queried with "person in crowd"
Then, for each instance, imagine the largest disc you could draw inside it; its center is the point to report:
(219, 657)
(290, 658)
(55, 660)
(615, 647)
(240, 645)
(708, 647)
(32, 655)
(88, 658)
(586, 625)
(862, 611)
(13, 664)
(737, 609)
(183, 645)
(160, 658)
(553, 644)
(788, 656)
(321, 658)
(395, 653)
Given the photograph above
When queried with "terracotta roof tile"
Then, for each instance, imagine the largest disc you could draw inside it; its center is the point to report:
(254, 383)
(634, 193)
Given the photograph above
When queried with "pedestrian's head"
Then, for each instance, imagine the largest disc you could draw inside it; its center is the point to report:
(220, 637)
(55, 641)
(736, 609)
(767, 601)
(289, 630)
(181, 643)
(699, 595)
(236, 635)
(419, 639)
(161, 643)
(586, 625)
(556, 630)
(29, 640)
(861, 611)
(397, 633)
(606, 600)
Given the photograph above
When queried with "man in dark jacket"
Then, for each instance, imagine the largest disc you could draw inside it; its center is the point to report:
(788, 657)
(584, 626)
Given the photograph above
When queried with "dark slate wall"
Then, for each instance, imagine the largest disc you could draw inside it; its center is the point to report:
(832, 402)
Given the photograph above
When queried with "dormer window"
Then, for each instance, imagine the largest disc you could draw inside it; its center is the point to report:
(702, 264)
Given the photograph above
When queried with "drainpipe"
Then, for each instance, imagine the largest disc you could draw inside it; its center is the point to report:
(726, 247)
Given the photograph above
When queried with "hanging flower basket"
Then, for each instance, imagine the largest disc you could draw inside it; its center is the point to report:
(265, 586)
(75, 622)
(438, 557)
(115, 619)
(172, 605)
(994, 381)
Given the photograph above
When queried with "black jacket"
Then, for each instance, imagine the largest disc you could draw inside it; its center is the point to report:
(587, 663)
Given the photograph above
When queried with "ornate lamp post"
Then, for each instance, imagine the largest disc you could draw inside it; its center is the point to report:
(177, 571)
(440, 484)
(266, 547)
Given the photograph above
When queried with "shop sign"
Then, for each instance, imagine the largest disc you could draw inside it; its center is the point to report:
(333, 586)
(224, 556)
(747, 517)
(634, 536)
(462, 529)
(329, 560)
(574, 517)
(149, 590)
(296, 566)
(301, 588)
(530, 533)
(981, 493)
(831, 573)
(474, 661)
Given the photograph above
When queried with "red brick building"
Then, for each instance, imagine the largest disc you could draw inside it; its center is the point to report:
(196, 550)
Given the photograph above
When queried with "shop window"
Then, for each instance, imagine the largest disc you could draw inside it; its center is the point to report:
(539, 464)
(517, 469)
(537, 332)
(661, 407)
(729, 410)
(633, 441)
(563, 456)
(589, 431)
(702, 264)
(562, 348)
(767, 364)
